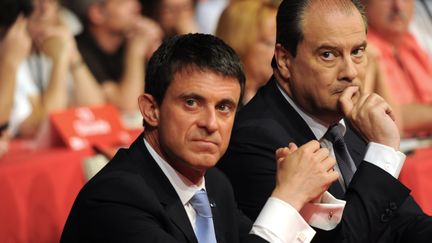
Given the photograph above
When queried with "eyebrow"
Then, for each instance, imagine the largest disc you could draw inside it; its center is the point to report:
(201, 98)
(332, 47)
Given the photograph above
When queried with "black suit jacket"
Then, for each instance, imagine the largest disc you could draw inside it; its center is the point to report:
(131, 200)
(379, 208)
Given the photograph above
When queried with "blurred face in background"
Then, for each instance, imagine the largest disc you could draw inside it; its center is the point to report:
(249, 27)
(45, 11)
(120, 15)
(172, 12)
(258, 59)
(389, 17)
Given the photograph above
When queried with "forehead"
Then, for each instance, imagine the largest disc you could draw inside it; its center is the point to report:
(206, 83)
(333, 26)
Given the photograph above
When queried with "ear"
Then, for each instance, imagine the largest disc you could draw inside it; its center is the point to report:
(149, 109)
(283, 61)
(96, 14)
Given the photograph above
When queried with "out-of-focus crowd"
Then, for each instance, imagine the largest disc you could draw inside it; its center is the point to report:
(59, 54)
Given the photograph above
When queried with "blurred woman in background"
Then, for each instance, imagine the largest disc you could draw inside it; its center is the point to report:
(249, 27)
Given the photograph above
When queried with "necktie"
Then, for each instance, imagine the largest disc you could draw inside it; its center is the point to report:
(343, 158)
(204, 219)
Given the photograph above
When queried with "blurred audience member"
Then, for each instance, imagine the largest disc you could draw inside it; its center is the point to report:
(249, 27)
(13, 34)
(37, 84)
(421, 25)
(115, 44)
(407, 68)
(174, 16)
(4, 142)
(374, 82)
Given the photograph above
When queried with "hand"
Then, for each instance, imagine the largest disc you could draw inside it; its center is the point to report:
(55, 41)
(144, 38)
(371, 116)
(303, 174)
(16, 44)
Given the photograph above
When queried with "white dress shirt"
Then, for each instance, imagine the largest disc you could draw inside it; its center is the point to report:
(278, 221)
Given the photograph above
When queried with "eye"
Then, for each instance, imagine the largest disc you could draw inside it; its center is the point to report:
(327, 56)
(191, 103)
(358, 52)
(225, 108)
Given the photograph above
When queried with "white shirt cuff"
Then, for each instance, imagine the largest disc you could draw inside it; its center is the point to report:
(325, 215)
(279, 222)
(385, 157)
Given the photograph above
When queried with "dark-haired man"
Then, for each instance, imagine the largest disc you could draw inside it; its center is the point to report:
(315, 94)
(152, 191)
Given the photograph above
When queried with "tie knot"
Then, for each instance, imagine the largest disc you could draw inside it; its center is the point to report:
(335, 133)
(201, 204)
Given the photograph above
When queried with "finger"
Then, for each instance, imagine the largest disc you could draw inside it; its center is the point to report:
(311, 146)
(328, 163)
(346, 101)
(332, 176)
(292, 147)
(322, 154)
(282, 153)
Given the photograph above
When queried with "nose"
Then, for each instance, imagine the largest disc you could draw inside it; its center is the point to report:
(348, 70)
(208, 120)
(398, 5)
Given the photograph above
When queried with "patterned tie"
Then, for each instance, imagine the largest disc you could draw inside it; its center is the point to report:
(204, 220)
(343, 158)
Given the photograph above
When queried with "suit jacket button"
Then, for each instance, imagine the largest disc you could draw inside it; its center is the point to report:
(392, 206)
(384, 218)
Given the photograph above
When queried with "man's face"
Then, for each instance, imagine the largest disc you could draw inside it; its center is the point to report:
(196, 118)
(389, 17)
(120, 15)
(330, 58)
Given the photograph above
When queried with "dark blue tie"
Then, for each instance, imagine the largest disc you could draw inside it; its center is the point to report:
(343, 158)
(204, 220)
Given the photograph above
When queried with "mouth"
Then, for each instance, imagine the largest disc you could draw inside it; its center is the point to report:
(205, 142)
(339, 91)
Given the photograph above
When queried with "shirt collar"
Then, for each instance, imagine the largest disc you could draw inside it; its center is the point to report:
(184, 187)
(318, 129)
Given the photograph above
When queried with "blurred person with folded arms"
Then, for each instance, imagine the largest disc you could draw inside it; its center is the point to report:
(39, 87)
(116, 43)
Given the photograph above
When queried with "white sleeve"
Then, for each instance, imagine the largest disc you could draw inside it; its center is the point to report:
(385, 157)
(325, 215)
(279, 222)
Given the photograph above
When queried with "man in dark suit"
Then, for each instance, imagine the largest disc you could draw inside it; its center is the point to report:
(319, 66)
(155, 191)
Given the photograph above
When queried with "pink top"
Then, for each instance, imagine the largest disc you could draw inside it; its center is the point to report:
(409, 77)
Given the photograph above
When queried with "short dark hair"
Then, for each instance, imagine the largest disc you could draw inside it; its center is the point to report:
(195, 51)
(11, 9)
(289, 21)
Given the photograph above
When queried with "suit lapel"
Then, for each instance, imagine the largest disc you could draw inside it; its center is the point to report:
(163, 189)
(292, 122)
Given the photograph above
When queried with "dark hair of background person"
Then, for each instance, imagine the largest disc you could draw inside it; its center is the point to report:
(192, 51)
(289, 20)
(151, 8)
(11, 9)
